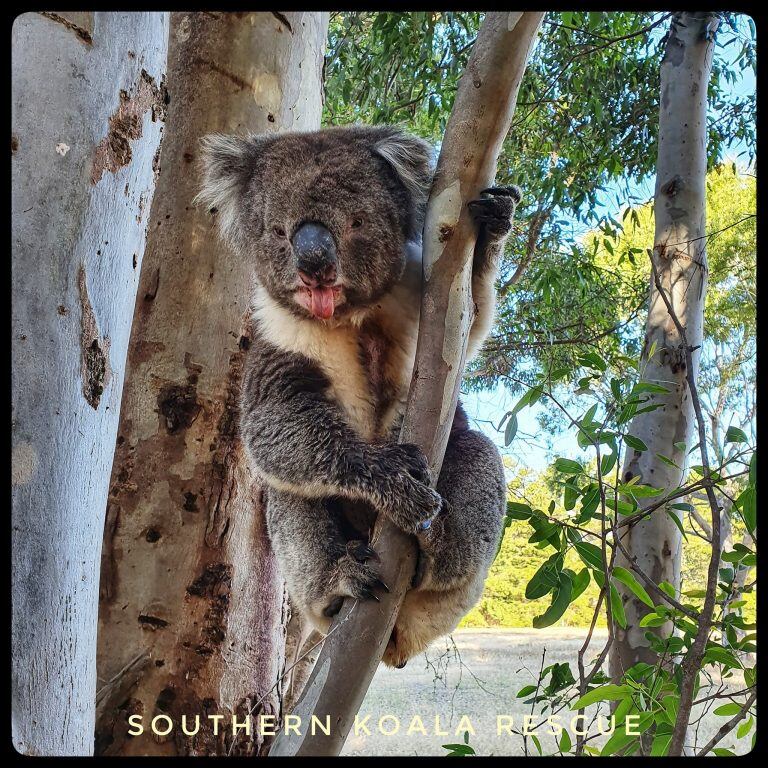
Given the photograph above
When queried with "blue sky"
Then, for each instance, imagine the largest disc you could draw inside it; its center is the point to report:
(531, 447)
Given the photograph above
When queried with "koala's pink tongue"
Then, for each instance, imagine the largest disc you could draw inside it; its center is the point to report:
(321, 302)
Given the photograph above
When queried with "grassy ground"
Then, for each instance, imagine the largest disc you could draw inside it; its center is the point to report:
(477, 674)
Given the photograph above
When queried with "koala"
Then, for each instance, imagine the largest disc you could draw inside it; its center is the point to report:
(331, 222)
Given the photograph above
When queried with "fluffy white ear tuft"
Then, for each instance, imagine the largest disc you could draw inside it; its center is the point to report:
(227, 163)
(412, 159)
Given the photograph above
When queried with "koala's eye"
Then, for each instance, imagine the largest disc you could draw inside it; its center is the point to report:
(279, 231)
(357, 222)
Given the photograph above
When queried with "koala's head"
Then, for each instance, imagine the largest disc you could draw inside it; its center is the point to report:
(324, 217)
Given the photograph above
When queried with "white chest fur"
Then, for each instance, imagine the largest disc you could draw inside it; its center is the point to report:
(336, 348)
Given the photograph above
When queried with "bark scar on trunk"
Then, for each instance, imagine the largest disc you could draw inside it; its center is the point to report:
(82, 34)
(125, 125)
(226, 447)
(95, 368)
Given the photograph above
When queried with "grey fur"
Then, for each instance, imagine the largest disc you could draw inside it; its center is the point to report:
(322, 400)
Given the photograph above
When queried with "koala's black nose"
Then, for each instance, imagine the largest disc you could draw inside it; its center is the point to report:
(315, 252)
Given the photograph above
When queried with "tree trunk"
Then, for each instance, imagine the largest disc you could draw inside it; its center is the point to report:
(481, 116)
(87, 115)
(192, 607)
(679, 254)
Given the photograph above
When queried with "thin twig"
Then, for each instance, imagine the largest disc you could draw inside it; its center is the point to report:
(726, 728)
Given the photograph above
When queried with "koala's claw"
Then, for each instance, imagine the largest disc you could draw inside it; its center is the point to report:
(494, 212)
(407, 457)
(361, 551)
(513, 191)
(355, 578)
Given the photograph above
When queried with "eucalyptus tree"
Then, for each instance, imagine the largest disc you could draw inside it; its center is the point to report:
(88, 105)
(192, 612)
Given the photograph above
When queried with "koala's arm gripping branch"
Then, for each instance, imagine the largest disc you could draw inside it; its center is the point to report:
(479, 122)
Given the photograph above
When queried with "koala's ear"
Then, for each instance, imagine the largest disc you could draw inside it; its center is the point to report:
(412, 159)
(228, 163)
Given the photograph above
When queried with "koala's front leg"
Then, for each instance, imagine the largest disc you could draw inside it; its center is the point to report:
(493, 213)
(298, 441)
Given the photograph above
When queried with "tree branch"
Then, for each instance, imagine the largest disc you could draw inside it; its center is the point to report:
(726, 728)
(479, 122)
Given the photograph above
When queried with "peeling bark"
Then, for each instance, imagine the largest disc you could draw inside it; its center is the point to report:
(679, 255)
(73, 288)
(481, 116)
(191, 579)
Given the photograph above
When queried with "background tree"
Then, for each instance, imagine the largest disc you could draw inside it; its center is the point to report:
(664, 435)
(88, 106)
(192, 611)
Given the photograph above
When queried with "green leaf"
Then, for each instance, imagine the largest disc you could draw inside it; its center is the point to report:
(617, 608)
(569, 466)
(626, 578)
(647, 387)
(570, 494)
(546, 578)
(458, 750)
(607, 462)
(678, 523)
(590, 502)
(716, 654)
(745, 728)
(747, 504)
(666, 587)
(639, 491)
(580, 583)
(652, 620)
(735, 435)
(565, 741)
(728, 710)
(667, 461)
(660, 744)
(590, 554)
(560, 603)
(529, 398)
(518, 511)
(510, 430)
(604, 693)
(526, 691)
(536, 741)
(635, 442)
(619, 739)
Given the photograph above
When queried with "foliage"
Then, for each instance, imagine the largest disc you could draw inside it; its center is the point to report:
(580, 531)
(582, 139)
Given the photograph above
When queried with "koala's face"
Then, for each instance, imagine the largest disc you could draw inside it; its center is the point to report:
(323, 217)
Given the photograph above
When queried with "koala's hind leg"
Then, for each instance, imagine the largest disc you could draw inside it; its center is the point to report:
(457, 549)
(319, 562)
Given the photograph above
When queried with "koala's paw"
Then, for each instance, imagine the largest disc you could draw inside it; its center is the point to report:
(354, 577)
(404, 493)
(494, 211)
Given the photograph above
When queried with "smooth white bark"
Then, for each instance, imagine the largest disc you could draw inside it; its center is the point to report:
(680, 257)
(86, 120)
